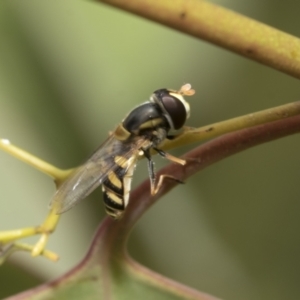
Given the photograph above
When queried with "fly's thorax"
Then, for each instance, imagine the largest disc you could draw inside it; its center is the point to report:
(121, 133)
(157, 136)
(144, 118)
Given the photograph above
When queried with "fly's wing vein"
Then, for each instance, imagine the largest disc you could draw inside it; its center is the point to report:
(87, 177)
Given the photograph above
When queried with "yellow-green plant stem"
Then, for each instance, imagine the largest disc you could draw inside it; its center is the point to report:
(222, 27)
(45, 229)
(191, 135)
(52, 219)
(12, 235)
(25, 247)
(57, 174)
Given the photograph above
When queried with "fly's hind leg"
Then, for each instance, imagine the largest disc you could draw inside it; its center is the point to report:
(155, 187)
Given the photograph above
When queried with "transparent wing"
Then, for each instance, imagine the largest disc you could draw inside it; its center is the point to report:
(87, 177)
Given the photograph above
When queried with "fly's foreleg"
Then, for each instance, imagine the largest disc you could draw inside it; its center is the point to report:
(155, 186)
(170, 157)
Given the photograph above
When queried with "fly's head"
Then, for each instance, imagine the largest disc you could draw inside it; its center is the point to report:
(173, 105)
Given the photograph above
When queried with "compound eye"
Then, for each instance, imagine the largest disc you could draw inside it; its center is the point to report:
(175, 109)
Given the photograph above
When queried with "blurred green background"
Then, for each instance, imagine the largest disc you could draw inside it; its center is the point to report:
(71, 70)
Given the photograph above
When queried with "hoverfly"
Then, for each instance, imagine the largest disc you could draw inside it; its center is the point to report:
(113, 163)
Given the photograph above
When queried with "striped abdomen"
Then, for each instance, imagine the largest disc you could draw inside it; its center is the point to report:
(116, 188)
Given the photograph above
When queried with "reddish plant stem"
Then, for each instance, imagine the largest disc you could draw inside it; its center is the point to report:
(109, 243)
(197, 159)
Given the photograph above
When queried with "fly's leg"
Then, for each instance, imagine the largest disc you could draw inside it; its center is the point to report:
(150, 170)
(161, 179)
(155, 187)
(170, 157)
